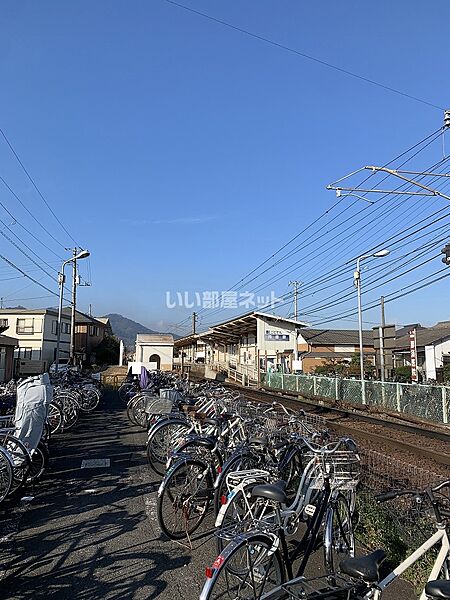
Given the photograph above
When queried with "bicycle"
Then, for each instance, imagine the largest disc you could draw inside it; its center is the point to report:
(365, 582)
(257, 557)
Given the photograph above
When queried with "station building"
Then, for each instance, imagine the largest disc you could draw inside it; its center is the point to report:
(244, 345)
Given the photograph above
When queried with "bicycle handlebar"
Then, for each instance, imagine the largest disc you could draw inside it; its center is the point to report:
(321, 450)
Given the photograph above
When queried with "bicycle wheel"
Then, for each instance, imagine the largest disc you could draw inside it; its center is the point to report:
(90, 398)
(55, 417)
(240, 508)
(339, 540)
(137, 410)
(125, 390)
(6, 473)
(20, 460)
(240, 462)
(184, 498)
(162, 440)
(247, 569)
(39, 462)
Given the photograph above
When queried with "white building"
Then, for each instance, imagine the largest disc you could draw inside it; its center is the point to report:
(433, 350)
(36, 332)
(155, 351)
(244, 345)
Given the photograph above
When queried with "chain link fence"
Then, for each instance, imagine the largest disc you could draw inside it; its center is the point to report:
(429, 402)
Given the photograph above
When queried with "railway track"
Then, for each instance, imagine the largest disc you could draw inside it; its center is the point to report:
(418, 435)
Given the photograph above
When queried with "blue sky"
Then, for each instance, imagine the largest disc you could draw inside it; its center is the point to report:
(183, 153)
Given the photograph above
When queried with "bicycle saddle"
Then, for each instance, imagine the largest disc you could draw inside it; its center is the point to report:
(259, 441)
(271, 491)
(438, 589)
(365, 568)
(212, 421)
(208, 442)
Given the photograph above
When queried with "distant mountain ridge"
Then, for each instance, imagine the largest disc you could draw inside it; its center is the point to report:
(127, 329)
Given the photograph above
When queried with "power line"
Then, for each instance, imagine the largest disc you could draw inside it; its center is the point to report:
(304, 55)
(16, 221)
(36, 187)
(29, 212)
(417, 148)
(9, 262)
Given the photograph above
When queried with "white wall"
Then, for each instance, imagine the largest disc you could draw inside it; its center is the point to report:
(41, 341)
(274, 346)
(165, 352)
(439, 350)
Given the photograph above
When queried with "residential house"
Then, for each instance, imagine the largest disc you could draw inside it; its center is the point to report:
(433, 350)
(89, 332)
(36, 332)
(7, 345)
(316, 347)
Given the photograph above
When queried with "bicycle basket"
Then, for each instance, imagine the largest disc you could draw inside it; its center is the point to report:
(158, 406)
(343, 468)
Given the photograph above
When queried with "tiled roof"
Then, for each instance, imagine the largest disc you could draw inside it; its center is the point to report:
(425, 337)
(335, 337)
(154, 338)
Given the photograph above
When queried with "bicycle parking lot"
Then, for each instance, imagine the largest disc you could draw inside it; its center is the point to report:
(91, 529)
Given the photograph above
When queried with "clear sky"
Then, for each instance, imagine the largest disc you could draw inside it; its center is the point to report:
(183, 153)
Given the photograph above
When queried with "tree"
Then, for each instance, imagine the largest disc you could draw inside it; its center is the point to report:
(402, 374)
(447, 373)
(108, 351)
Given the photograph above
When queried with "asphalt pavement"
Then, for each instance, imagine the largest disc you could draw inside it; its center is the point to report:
(89, 530)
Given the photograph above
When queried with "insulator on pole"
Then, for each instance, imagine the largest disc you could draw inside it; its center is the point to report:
(446, 118)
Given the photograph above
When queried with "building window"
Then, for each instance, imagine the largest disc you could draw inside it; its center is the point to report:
(55, 327)
(65, 327)
(93, 330)
(23, 353)
(4, 323)
(25, 326)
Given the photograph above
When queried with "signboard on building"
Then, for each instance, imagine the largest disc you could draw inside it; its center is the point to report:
(413, 347)
(273, 335)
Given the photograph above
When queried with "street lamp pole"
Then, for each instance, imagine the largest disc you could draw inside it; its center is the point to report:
(61, 280)
(357, 280)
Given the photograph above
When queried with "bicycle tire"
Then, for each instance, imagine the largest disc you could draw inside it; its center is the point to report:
(237, 463)
(339, 538)
(247, 568)
(55, 417)
(21, 461)
(39, 463)
(180, 497)
(6, 473)
(161, 441)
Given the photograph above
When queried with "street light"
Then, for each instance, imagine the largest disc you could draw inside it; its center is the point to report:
(61, 280)
(357, 281)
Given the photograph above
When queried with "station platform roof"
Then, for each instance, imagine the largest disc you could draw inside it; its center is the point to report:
(231, 330)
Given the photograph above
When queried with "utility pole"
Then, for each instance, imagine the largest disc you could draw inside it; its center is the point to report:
(194, 322)
(74, 302)
(296, 285)
(381, 330)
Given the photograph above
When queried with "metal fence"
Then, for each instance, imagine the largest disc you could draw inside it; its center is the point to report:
(429, 402)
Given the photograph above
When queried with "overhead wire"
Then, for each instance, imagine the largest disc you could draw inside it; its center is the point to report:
(303, 54)
(30, 178)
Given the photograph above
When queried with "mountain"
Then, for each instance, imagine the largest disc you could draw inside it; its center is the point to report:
(127, 329)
